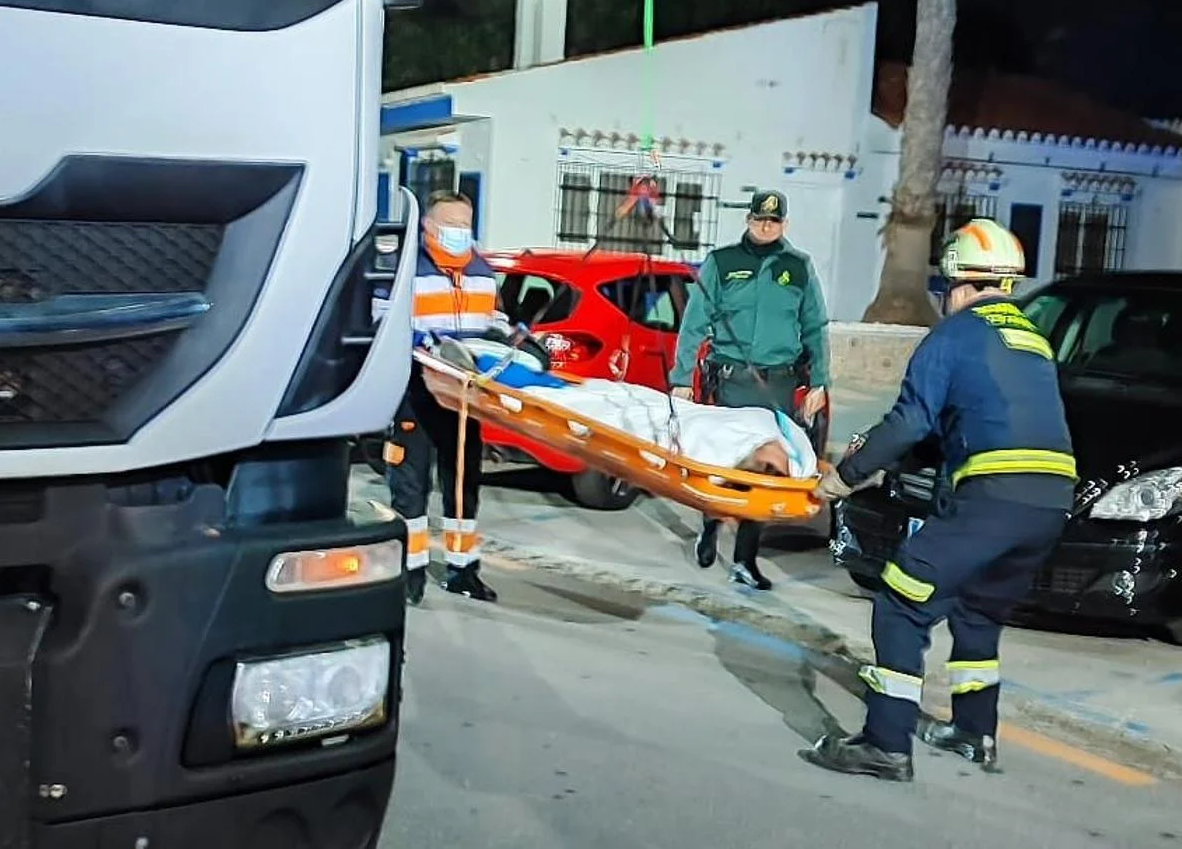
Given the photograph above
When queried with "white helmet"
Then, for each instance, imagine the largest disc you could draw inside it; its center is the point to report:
(983, 252)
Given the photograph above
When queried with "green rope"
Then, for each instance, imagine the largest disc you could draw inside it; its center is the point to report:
(647, 143)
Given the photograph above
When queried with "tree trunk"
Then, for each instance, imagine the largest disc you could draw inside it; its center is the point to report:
(902, 290)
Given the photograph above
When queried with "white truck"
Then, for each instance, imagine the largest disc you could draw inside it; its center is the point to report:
(198, 646)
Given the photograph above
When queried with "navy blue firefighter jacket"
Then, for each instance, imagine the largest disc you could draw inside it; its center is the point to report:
(984, 381)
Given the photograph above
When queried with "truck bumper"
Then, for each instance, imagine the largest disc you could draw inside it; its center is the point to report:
(123, 620)
(340, 812)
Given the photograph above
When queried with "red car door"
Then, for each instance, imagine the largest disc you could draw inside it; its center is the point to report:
(643, 339)
(655, 323)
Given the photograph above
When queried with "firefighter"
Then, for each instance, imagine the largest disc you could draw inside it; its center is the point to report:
(455, 295)
(760, 311)
(985, 381)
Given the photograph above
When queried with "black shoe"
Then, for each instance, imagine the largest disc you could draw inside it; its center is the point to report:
(947, 737)
(466, 582)
(416, 585)
(706, 548)
(856, 756)
(749, 574)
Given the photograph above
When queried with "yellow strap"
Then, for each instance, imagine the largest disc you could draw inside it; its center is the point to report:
(462, 445)
(905, 585)
(1010, 461)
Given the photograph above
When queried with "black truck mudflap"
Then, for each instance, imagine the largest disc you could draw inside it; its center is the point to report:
(23, 621)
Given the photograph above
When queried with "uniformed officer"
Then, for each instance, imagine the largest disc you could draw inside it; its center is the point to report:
(984, 380)
(455, 295)
(760, 304)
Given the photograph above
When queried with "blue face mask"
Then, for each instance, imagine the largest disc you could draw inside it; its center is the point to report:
(455, 240)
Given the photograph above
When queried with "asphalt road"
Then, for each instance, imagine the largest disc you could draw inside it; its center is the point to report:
(571, 716)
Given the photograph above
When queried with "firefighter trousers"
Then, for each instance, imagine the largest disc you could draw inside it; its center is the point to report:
(425, 434)
(970, 565)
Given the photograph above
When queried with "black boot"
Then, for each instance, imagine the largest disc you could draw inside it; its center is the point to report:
(706, 548)
(856, 756)
(466, 582)
(749, 574)
(980, 749)
(416, 585)
(746, 552)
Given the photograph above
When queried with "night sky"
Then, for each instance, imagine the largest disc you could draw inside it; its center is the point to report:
(1124, 53)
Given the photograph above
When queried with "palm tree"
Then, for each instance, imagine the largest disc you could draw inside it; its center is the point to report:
(902, 289)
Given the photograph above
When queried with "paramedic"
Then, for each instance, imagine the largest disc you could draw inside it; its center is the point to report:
(984, 380)
(760, 305)
(455, 294)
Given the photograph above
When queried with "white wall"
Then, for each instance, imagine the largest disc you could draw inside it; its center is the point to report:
(1025, 170)
(799, 84)
(1156, 240)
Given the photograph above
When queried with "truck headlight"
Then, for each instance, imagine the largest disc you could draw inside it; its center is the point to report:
(335, 568)
(316, 692)
(1145, 498)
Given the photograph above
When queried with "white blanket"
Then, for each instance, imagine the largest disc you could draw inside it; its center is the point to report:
(717, 436)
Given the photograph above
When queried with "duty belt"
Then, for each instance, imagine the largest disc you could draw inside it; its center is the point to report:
(727, 369)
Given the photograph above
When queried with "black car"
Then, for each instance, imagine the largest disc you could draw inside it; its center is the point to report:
(1118, 341)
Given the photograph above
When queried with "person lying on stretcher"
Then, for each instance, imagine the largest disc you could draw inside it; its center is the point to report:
(747, 438)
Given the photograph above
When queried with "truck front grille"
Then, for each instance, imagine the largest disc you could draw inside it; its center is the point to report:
(39, 260)
(75, 384)
(43, 259)
(123, 280)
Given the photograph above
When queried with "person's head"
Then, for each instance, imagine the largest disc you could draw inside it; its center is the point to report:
(980, 260)
(448, 222)
(766, 217)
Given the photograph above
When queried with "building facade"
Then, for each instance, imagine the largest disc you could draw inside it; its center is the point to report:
(548, 152)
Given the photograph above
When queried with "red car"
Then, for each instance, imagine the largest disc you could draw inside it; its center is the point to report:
(584, 308)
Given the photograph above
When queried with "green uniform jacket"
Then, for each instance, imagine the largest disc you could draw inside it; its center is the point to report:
(774, 306)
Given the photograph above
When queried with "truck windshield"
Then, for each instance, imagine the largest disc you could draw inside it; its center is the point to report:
(1126, 334)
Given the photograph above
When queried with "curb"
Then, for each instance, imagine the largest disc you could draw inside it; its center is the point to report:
(842, 655)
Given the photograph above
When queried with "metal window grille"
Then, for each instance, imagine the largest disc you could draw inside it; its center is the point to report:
(1091, 238)
(428, 175)
(588, 196)
(955, 209)
(574, 207)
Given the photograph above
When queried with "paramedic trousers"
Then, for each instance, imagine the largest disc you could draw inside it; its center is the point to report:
(423, 432)
(970, 565)
(741, 389)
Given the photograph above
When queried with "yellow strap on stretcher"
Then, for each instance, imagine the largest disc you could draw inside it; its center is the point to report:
(714, 490)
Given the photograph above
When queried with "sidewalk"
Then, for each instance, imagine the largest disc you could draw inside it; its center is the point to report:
(1109, 696)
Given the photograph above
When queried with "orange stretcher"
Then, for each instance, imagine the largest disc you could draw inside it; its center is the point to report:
(714, 490)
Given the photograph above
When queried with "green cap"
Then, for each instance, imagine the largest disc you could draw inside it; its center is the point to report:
(769, 204)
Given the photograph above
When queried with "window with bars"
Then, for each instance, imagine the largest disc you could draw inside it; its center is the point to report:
(1091, 238)
(590, 194)
(953, 210)
(633, 232)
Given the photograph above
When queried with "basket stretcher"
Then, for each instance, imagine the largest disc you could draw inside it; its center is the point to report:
(713, 490)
